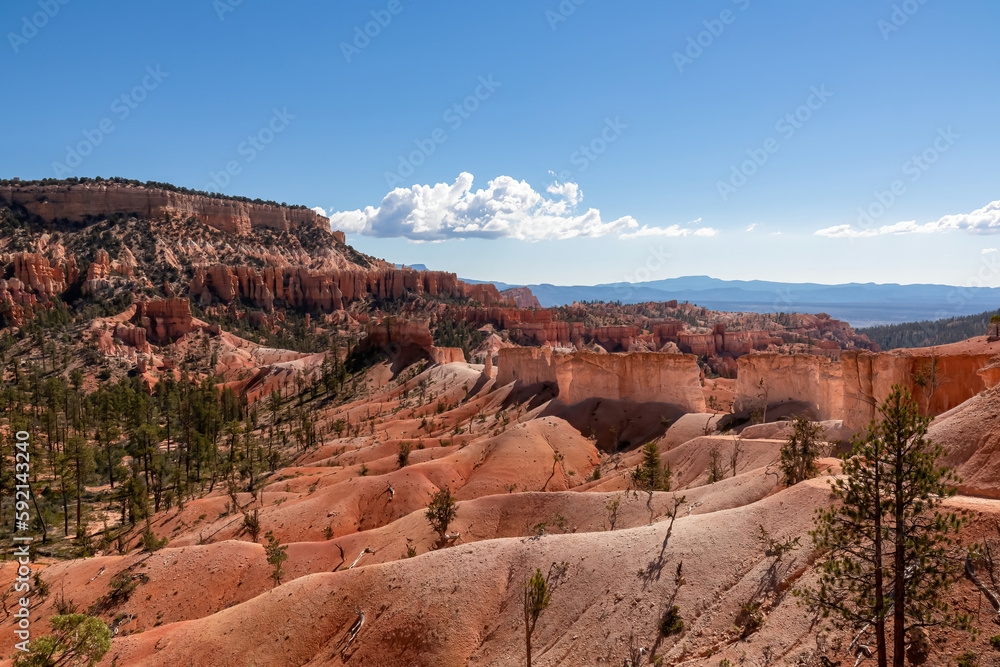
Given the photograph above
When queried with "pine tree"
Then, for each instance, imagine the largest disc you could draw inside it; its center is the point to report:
(80, 460)
(886, 548)
(76, 639)
(275, 556)
(441, 512)
(650, 476)
(799, 453)
(536, 599)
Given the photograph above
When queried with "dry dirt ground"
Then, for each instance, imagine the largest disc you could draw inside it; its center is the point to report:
(534, 493)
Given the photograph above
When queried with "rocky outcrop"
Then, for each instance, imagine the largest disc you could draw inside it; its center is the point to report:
(405, 341)
(80, 201)
(816, 381)
(638, 377)
(850, 388)
(100, 271)
(14, 301)
(164, 320)
(447, 355)
(44, 276)
(133, 336)
(301, 287)
(833, 431)
(35, 280)
(719, 342)
(938, 377)
(523, 297)
(392, 332)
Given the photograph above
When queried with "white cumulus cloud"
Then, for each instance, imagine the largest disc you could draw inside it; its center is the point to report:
(981, 221)
(507, 208)
(989, 251)
(752, 227)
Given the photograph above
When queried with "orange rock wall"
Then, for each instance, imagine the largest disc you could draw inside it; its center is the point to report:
(76, 202)
(850, 388)
(165, 319)
(639, 377)
(817, 381)
(329, 290)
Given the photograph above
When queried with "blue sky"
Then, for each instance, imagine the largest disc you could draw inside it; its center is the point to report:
(677, 102)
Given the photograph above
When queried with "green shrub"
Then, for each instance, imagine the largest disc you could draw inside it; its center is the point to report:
(671, 623)
(968, 659)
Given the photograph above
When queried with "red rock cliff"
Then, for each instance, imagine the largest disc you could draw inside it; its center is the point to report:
(329, 290)
(940, 378)
(76, 202)
(639, 377)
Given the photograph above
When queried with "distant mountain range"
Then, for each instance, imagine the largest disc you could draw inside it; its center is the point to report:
(860, 304)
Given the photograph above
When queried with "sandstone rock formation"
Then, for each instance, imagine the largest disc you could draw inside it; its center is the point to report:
(44, 276)
(101, 269)
(522, 297)
(166, 319)
(302, 287)
(77, 202)
(637, 377)
(14, 301)
(816, 381)
(851, 387)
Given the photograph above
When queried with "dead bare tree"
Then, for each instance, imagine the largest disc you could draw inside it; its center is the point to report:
(634, 653)
(738, 449)
(353, 632)
(367, 550)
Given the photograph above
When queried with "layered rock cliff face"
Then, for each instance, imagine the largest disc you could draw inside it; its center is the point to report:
(817, 381)
(35, 279)
(538, 327)
(939, 378)
(851, 388)
(78, 202)
(522, 296)
(165, 319)
(44, 276)
(407, 340)
(329, 290)
(637, 377)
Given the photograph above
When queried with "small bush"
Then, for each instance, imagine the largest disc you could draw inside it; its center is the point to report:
(442, 511)
(151, 543)
(403, 455)
(251, 524)
(671, 623)
(750, 618)
(122, 586)
(995, 642)
(275, 556)
(41, 585)
(968, 659)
